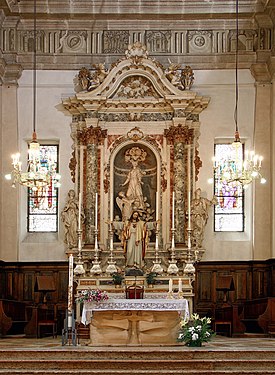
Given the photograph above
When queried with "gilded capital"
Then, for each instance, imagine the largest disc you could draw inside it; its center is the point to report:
(92, 135)
(179, 133)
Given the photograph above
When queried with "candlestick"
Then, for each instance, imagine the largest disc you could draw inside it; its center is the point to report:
(170, 285)
(79, 211)
(173, 210)
(157, 206)
(180, 285)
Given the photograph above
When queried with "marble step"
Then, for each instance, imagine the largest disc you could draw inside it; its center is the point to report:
(146, 365)
(139, 372)
(178, 352)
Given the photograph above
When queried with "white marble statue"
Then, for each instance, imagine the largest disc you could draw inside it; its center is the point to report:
(199, 216)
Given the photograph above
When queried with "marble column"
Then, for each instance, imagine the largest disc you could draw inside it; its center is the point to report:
(9, 197)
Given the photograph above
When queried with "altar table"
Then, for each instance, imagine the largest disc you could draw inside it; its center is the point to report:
(147, 321)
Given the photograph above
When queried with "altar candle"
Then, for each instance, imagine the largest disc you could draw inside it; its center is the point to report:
(70, 321)
(173, 210)
(96, 204)
(180, 285)
(81, 167)
(189, 210)
(157, 206)
(79, 211)
(189, 186)
(170, 285)
(70, 289)
(111, 210)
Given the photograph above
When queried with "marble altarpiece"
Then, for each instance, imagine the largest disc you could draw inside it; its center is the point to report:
(135, 130)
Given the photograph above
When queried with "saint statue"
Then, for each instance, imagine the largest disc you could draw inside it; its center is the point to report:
(199, 216)
(134, 182)
(134, 236)
(69, 216)
(133, 198)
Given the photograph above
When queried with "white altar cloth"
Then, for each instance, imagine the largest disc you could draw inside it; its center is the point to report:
(147, 304)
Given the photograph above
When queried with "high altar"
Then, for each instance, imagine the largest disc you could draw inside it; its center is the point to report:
(135, 149)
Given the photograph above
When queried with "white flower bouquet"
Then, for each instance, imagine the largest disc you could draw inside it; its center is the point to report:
(195, 331)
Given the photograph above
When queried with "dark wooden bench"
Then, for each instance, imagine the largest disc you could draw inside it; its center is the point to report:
(41, 318)
(267, 320)
(257, 314)
(13, 317)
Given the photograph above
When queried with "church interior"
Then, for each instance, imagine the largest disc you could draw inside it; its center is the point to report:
(137, 160)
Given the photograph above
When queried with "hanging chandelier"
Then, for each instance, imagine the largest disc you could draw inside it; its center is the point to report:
(36, 175)
(236, 169)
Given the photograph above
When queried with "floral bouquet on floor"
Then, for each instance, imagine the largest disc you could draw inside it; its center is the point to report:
(91, 295)
(195, 331)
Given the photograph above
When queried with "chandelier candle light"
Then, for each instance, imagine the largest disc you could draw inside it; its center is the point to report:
(234, 169)
(37, 175)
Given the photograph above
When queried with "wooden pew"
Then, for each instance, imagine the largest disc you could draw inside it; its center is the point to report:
(252, 311)
(267, 320)
(227, 318)
(41, 316)
(13, 316)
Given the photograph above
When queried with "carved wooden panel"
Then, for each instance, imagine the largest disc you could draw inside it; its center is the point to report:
(204, 287)
(241, 285)
(28, 286)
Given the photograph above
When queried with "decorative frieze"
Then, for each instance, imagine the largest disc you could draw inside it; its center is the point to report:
(115, 41)
(73, 41)
(158, 41)
(180, 43)
(200, 41)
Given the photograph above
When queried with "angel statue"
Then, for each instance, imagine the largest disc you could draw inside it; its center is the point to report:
(69, 216)
(199, 216)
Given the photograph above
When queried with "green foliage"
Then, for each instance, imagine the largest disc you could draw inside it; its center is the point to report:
(117, 278)
(151, 278)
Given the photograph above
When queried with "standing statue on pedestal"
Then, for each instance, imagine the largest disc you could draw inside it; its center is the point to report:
(134, 236)
(69, 216)
(199, 217)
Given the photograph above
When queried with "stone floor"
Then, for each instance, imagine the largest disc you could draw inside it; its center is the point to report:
(218, 343)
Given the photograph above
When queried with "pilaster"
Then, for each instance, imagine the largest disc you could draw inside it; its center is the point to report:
(272, 162)
(9, 145)
(263, 209)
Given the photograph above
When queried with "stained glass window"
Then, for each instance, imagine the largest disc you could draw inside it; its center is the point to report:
(43, 203)
(229, 212)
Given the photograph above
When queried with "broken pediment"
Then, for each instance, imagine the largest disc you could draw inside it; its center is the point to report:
(136, 83)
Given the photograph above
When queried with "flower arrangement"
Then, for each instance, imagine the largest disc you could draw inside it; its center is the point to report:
(92, 295)
(195, 331)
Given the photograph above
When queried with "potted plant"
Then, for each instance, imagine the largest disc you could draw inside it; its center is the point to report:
(151, 278)
(117, 278)
(195, 331)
